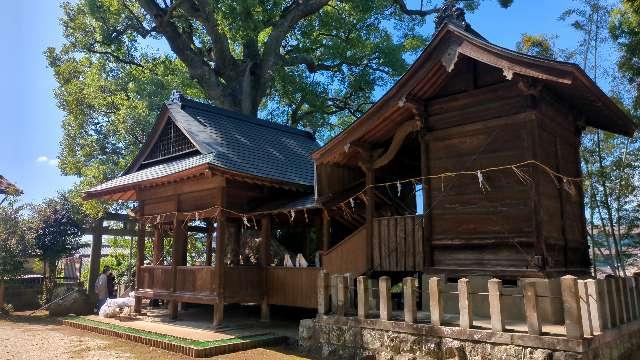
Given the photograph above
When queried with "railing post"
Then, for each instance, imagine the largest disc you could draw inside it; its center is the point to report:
(363, 297)
(342, 298)
(531, 308)
(464, 303)
(604, 305)
(633, 285)
(614, 305)
(435, 303)
(495, 306)
(424, 292)
(633, 300)
(622, 298)
(622, 281)
(595, 305)
(585, 312)
(409, 290)
(351, 293)
(373, 299)
(334, 293)
(571, 306)
(385, 298)
(324, 300)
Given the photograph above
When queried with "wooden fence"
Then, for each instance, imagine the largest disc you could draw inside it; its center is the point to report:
(397, 243)
(589, 307)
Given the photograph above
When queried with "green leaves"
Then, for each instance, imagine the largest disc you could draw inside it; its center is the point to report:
(624, 28)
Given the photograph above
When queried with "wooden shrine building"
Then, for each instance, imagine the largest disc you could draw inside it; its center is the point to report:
(207, 170)
(463, 106)
(468, 165)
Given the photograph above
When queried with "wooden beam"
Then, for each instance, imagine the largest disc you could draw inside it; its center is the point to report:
(398, 139)
(221, 236)
(158, 246)
(326, 230)
(370, 180)
(139, 262)
(427, 233)
(265, 259)
(209, 243)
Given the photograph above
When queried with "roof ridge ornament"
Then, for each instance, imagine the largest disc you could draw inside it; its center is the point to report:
(452, 14)
(176, 97)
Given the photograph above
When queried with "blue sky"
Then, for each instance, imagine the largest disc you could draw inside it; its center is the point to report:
(31, 122)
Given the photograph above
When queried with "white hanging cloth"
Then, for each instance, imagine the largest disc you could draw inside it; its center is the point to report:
(301, 262)
(287, 261)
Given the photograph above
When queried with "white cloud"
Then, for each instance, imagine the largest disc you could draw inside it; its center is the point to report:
(47, 160)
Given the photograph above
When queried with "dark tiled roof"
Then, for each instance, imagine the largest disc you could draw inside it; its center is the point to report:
(235, 142)
(156, 172)
(247, 145)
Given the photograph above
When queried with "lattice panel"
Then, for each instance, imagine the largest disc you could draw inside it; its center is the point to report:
(171, 141)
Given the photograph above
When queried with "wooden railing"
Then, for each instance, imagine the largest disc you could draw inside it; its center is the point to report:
(156, 278)
(196, 279)
(293, 286)
(243, 283)
(589, 307)
(348, 256)
(397, 243)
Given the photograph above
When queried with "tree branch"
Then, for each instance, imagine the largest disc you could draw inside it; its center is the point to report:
(411, 12)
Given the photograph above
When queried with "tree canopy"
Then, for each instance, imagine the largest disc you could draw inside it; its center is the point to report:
(625, 30)
(310, 63)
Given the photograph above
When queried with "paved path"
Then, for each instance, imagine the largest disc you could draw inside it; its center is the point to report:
(42, 338)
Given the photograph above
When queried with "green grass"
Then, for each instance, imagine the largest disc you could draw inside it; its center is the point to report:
(167, 338)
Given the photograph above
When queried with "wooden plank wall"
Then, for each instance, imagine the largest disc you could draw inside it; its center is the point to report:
(196, 279)
(348, 256)
(293, 286)
(243, 283)
(397, 243)
(156, 277)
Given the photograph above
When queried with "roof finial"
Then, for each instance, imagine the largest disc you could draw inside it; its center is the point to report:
(452, 14)
(175, 97)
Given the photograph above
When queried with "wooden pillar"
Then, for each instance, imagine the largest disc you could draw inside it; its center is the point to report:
(409, 291)
(324, 291)
(531, 308)
(571, 306)
(265, 259)
(96, 254)
(363, 297)
(464, 304)
(326, 230)
(158, 245)
(209, 243)
(435, 302)
(221, 239)
(495, 305)
(385, 298)
(177, 259)
(370, 180)
(426, 201)
(585, 313)
(233, 238)
(142, 227)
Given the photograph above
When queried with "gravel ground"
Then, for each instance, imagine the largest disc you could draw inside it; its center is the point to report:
(40, 337)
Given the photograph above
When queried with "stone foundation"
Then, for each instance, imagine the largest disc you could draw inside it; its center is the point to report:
(332, 337)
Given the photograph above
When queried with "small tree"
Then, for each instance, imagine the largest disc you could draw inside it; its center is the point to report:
(14, 247)
(57, 230)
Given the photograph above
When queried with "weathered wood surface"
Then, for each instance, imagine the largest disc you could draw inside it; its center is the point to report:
(293, 286)
(397, 243)
(348, 256)
(243, 283)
